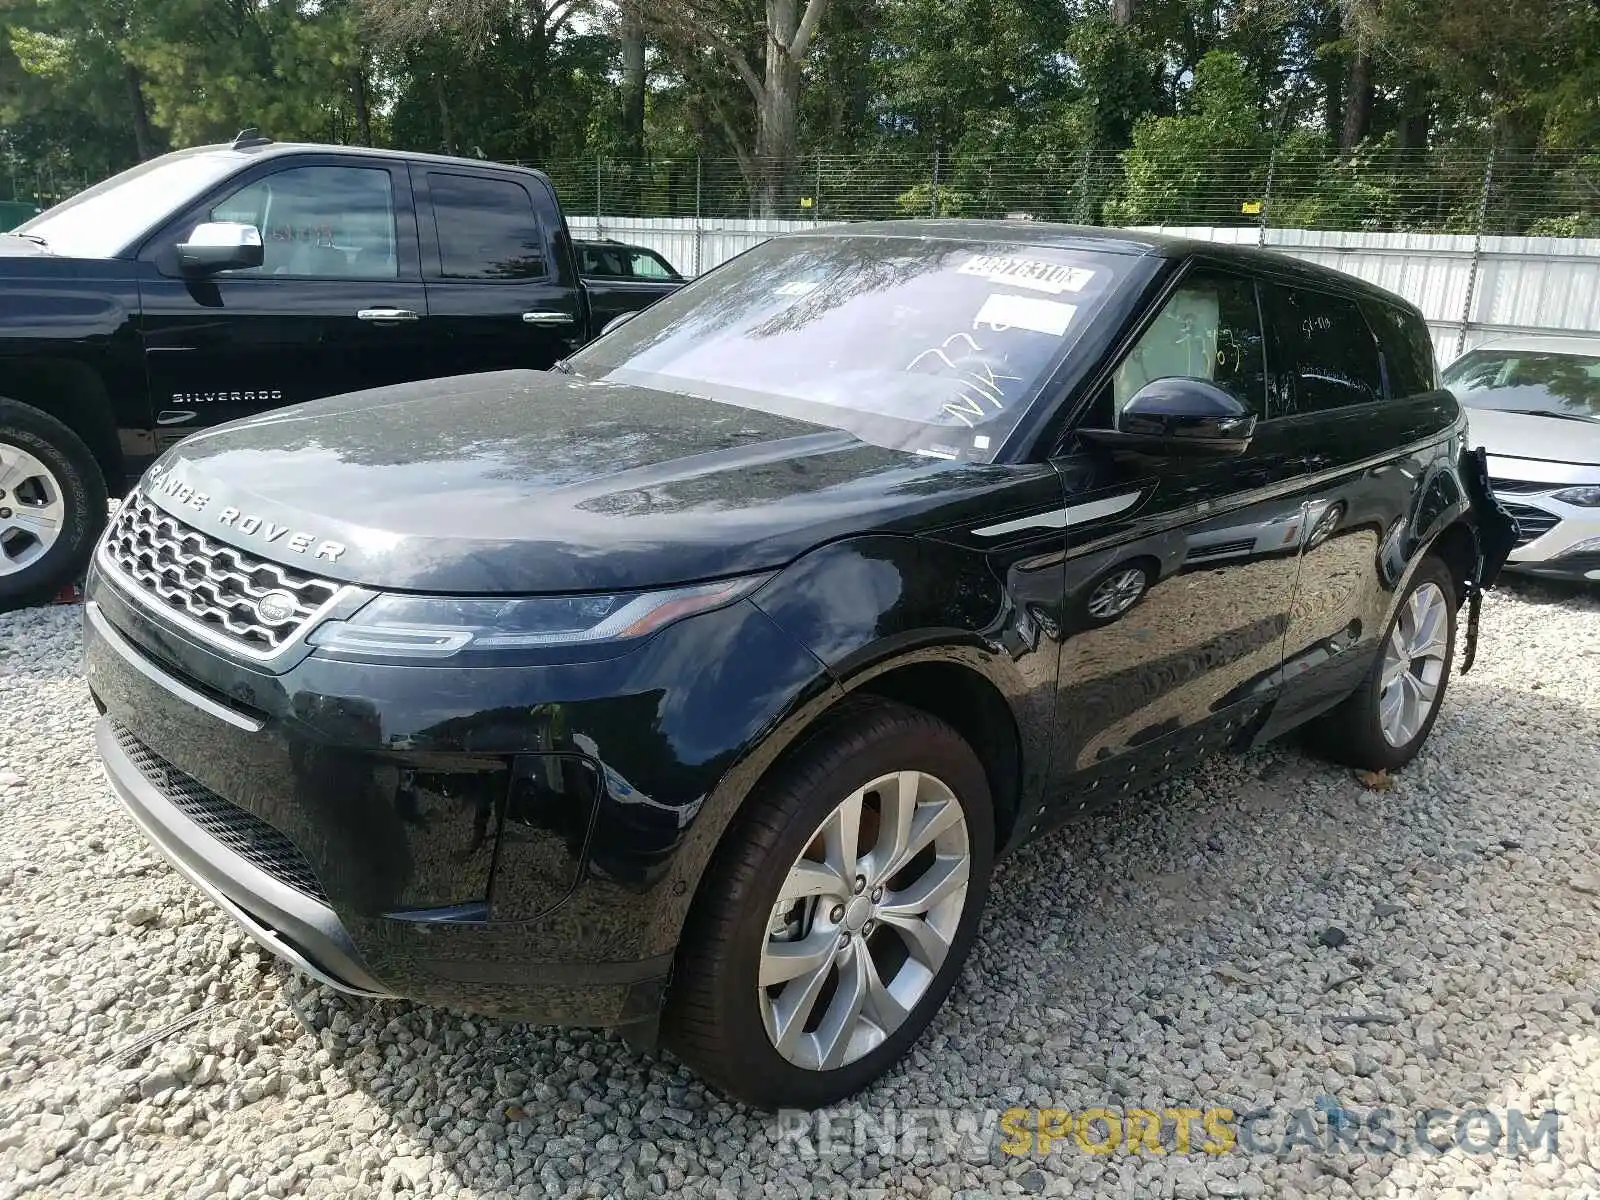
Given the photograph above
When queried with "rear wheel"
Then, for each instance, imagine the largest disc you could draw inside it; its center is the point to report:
(52, 505)
(838, 912)
(1385, 722)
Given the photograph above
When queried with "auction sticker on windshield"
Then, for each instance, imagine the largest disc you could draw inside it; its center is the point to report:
(1038, 274)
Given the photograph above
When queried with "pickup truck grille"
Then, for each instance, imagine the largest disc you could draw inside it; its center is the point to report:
(212, 588)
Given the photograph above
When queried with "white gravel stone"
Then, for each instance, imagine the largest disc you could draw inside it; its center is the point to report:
(1173, 953)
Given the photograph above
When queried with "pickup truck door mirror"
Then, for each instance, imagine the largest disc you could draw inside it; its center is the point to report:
(220, 246)
(617, 322)
(1176, 417)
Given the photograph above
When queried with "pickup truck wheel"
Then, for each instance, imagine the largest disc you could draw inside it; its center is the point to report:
(1385, 722)
(837, 913)
(52, 505)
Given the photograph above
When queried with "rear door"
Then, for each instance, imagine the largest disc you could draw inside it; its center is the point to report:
(1356, 388)
(340, 249)
(502, 292)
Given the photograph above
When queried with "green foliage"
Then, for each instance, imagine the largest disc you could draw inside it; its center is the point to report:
(1200, 167)
(926, 200)
(1187, 113)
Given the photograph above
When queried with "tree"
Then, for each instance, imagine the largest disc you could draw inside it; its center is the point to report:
(780, 43)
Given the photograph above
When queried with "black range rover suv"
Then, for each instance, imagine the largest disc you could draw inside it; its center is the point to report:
(695, 687)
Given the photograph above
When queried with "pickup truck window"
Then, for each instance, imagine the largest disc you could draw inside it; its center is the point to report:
(319, 222)
(647, 265)
(110, 217)
(487, 228)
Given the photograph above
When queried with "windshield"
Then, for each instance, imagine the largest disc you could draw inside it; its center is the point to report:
(911, 343)
(109, 217)
(1528, 381)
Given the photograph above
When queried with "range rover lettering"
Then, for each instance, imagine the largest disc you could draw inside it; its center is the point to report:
(694, 688)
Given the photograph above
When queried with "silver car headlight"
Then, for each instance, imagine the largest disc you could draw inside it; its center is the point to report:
(1583, 497)
(440, 626)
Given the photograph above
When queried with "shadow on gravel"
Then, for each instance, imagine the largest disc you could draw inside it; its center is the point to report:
(1259, 934)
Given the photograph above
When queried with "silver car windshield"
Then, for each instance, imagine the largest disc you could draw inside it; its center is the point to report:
(1563, 385)
(937, 346)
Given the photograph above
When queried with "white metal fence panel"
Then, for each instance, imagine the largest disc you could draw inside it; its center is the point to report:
(1469, 289)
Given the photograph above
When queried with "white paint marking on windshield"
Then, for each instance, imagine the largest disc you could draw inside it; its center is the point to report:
(1001, 312)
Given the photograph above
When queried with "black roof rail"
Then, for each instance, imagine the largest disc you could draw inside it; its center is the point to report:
(250, 136)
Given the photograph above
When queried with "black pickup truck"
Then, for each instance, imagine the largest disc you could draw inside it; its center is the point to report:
(217, 282)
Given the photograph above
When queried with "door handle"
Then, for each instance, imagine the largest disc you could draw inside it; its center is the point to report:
(385, 316)
(548, 318)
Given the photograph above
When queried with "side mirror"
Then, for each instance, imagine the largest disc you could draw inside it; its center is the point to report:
(617, 322)
(220, 246)
(1178, 416)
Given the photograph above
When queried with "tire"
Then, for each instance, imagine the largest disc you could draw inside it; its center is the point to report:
(717, 1017)
(45, 467)
(1354, 732)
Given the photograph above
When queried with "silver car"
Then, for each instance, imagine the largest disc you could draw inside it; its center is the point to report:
(1536, 410)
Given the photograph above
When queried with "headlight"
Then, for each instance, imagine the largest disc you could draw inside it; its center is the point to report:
(439, 626)
(1583, 497)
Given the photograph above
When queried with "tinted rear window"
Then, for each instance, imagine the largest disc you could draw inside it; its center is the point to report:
(1327, 349)
(1407, 349)
(934, 345)
(487, 228)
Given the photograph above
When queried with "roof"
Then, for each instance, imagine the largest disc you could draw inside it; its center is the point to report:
(269, 149)
(1116, 241)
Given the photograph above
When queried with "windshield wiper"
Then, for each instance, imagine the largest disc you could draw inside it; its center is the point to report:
(29, 237)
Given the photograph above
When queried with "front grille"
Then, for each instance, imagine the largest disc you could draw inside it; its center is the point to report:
(1521, 487)
(1531, 522)
(207, 583)
(244, 833)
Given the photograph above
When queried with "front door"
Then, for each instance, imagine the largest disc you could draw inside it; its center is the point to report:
(337, 304)
(1180, 573)
(502, 292)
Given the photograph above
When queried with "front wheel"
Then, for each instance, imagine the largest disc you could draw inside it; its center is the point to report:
(1385, 723)
(838, 912)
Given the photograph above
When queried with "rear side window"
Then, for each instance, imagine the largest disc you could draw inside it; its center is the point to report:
(649, 266)
(487, 229)
(602, 263)
(1407, 350)
(1326, 349)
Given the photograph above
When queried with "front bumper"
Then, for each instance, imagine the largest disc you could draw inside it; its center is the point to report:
(504, 840)
(1556, 540)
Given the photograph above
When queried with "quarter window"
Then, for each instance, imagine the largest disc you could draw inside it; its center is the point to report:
(319, 222)
(1327, 350)
(1407, 350)
(487, 229)
(1209, 329)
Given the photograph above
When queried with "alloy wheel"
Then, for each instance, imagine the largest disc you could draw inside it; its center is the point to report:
(1117, 593)
(32, 509)
(864, 920)
(1414, 664)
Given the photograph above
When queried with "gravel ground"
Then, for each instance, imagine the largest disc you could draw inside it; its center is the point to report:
(1266, 933)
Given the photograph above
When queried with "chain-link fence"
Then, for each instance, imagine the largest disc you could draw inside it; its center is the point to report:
(1292, 185)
